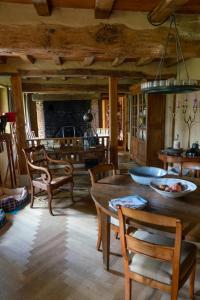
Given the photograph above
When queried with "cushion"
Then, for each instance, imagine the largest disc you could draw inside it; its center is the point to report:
(14, 198)
(2, 217)
(157, 269)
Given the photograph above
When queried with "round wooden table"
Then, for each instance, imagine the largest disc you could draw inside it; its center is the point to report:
(183, 161)
(186, 208)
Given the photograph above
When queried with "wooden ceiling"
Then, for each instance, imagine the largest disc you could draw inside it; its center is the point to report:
(191, 6)
(50, 49)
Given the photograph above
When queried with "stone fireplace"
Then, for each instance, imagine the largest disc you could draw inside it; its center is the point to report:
(65, 118)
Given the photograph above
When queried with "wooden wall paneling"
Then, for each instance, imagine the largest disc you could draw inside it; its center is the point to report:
(20, 121)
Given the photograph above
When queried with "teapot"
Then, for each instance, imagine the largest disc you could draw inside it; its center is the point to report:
(194, 151)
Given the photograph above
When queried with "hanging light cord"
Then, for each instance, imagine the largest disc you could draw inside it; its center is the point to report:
(179, 52)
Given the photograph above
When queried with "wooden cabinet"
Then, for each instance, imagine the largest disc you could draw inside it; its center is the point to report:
(147, 127)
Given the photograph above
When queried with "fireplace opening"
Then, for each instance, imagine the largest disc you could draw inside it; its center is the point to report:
(65, 118)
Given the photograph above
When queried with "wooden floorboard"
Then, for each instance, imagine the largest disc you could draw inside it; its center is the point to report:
(54, 258)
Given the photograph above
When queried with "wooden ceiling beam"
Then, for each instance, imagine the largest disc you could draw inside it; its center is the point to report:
(63, 97)
(103, 8)
(62, 88)
(164, 9)
(118, 61)
(91, 73)
(89, 60)
(27, 58)
(169, 62)
(59, 61)
(104, 39)
(42, 7)
(3, 60)
(142, 61)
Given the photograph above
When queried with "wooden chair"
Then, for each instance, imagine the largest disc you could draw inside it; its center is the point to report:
(42, 175)
(159, 261)
(194, 168)
(96, 174)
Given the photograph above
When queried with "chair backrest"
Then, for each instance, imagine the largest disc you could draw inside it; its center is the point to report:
(170, 253)
(35, 156)
(100, 171)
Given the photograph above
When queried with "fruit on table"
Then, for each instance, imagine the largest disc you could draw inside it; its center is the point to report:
(177, 187)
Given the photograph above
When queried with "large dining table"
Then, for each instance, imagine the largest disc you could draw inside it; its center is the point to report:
(186, 208)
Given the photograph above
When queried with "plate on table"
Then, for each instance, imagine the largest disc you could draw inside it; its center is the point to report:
(133, 201)
(173, 188)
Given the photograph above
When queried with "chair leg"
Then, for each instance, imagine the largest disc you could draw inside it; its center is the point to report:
(71, 190)
(192, 279)
(32, 195)
(174, 295)
(50, 197)
(128, 288)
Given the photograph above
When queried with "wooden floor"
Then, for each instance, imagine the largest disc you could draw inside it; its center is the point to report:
(54, 258)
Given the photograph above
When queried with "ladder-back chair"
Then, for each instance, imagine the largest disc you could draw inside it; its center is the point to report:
(158, 261)
(97, 173)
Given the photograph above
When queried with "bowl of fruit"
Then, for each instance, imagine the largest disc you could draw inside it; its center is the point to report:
(173, 188)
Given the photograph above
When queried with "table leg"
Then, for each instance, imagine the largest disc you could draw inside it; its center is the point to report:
(165, 165)
(105, 225)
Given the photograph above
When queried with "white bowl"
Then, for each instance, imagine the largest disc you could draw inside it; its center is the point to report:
(189, 187)
(144, 175)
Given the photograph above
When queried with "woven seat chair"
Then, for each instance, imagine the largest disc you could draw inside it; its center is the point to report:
(42, 176)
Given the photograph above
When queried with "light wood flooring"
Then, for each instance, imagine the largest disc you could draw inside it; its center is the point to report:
(54, 258)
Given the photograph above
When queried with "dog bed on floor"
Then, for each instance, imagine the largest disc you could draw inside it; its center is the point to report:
(2, 217)
(12, 199)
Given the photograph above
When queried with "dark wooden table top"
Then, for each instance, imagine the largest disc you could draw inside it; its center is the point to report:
(186, 208)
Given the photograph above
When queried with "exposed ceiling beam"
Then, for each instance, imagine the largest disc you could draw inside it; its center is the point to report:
(169, 62)
(90, 72)
(3, 60)
(42, 7)
(59, 60)
(103, 8)
(88, 61)
(104, 39)
(62, 97)
(142, 61)
(164, 9)
(62, 88)
(27, 58)
(118, 61)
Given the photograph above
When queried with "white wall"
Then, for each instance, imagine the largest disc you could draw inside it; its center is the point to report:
(181, 128)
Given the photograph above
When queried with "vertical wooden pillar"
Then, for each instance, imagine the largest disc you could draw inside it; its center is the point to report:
(40, 119)
(113, 120)
(18, 107)
(33, 114)
(95, 111)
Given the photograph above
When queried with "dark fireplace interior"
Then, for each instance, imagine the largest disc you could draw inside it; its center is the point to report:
(65, 118)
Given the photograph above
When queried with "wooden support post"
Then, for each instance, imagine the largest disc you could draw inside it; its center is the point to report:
(40, 119)
(20, 123)
(113, 120)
